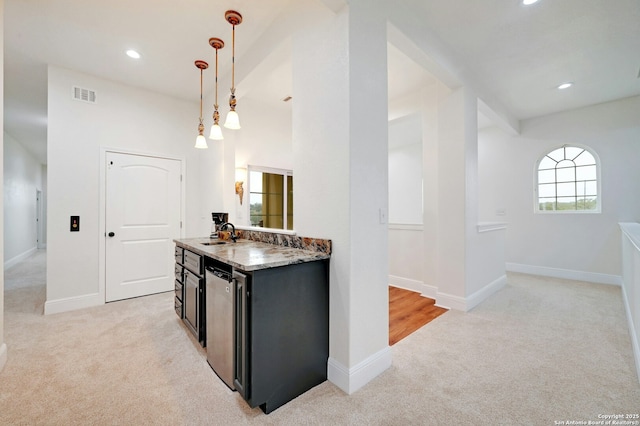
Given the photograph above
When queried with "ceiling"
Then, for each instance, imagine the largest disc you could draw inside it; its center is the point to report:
(515, 55)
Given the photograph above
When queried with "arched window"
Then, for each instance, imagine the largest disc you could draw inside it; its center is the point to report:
(568, 181)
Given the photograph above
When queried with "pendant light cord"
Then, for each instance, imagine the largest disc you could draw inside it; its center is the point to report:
(200, 95)
(216, 105)
(233, 57)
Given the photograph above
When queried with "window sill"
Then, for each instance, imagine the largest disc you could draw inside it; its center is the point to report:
(261, 229)
(567, 211)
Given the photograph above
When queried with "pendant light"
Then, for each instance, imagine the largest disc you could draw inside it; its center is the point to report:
(201, 142)
(216, 131)
(233, 121)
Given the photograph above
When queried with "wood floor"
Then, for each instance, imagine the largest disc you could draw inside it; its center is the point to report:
(408, 311)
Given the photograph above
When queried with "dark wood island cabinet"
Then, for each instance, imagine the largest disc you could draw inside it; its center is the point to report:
(189, 291)
(280, 316)
(282, 333)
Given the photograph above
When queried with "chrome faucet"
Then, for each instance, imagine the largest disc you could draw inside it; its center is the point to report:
(224, 226)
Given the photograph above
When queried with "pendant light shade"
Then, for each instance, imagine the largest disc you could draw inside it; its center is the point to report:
(216, 131)
(233, 121)
(201, 142)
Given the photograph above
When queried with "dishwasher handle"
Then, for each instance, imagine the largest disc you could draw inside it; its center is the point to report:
(219, 273)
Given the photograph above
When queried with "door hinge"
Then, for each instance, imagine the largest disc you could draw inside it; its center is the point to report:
(180, 224)
(180, 178)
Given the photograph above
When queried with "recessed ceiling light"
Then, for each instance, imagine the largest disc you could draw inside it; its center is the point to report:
(565, 86)
(133, 54)
(528, 2)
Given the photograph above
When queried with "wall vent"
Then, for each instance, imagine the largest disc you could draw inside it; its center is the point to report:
(84, 95)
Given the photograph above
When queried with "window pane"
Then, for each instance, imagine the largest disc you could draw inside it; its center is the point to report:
(273, 186)
(584, 159)
(557, 155)
(547, 190)
(546, 176)
(290, 202)
(256, 181)
(255, 210)
(566, 174)
(566, 203)
(268, 200)
(572, 152)
(547, 163)
(588, 203)
(568, 180)
(586, 173)
(547, 204)
(589, 188)
(566, 189)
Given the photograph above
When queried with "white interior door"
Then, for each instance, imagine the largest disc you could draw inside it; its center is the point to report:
(142, 219)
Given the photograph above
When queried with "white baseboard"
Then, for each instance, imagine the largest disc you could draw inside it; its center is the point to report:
(413, 285)
(19, 258)
(354, 378)
(73, 303)
(592, 277)
(465, 304)
(632, 332)
(3, 355)
(406, 283)
(481, 295)
(449, 301)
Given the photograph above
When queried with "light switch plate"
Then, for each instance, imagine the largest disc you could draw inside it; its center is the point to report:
(74, 225)
(383, 216)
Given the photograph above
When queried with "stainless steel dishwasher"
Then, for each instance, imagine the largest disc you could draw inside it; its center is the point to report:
(220, 309)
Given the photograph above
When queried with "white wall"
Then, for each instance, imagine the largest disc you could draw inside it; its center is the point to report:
(340, 163)
(43, 202)
(405, 170)
(3, 346)
(406, 245)
(265, 137)
(406, 258)
(22, 178)
(264, 140)
(436, 246)
(581, 246)
(125, 118)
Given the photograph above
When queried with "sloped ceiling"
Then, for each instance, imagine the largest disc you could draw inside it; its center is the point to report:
(516, 54)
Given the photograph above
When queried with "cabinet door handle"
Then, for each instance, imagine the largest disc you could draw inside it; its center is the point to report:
(111, 234)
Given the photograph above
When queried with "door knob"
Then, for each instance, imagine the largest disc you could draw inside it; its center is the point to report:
(112, 234)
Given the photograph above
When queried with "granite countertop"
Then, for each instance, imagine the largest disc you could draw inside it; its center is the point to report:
(249, 255)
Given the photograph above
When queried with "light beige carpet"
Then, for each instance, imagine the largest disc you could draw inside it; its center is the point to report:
(540, 350)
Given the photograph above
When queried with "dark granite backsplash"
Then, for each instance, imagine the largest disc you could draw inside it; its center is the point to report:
(284, 240)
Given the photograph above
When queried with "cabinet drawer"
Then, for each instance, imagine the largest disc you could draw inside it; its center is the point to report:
(179, 290)
(177, 304)
(179, 254)
(193, 262)
(179, 273)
